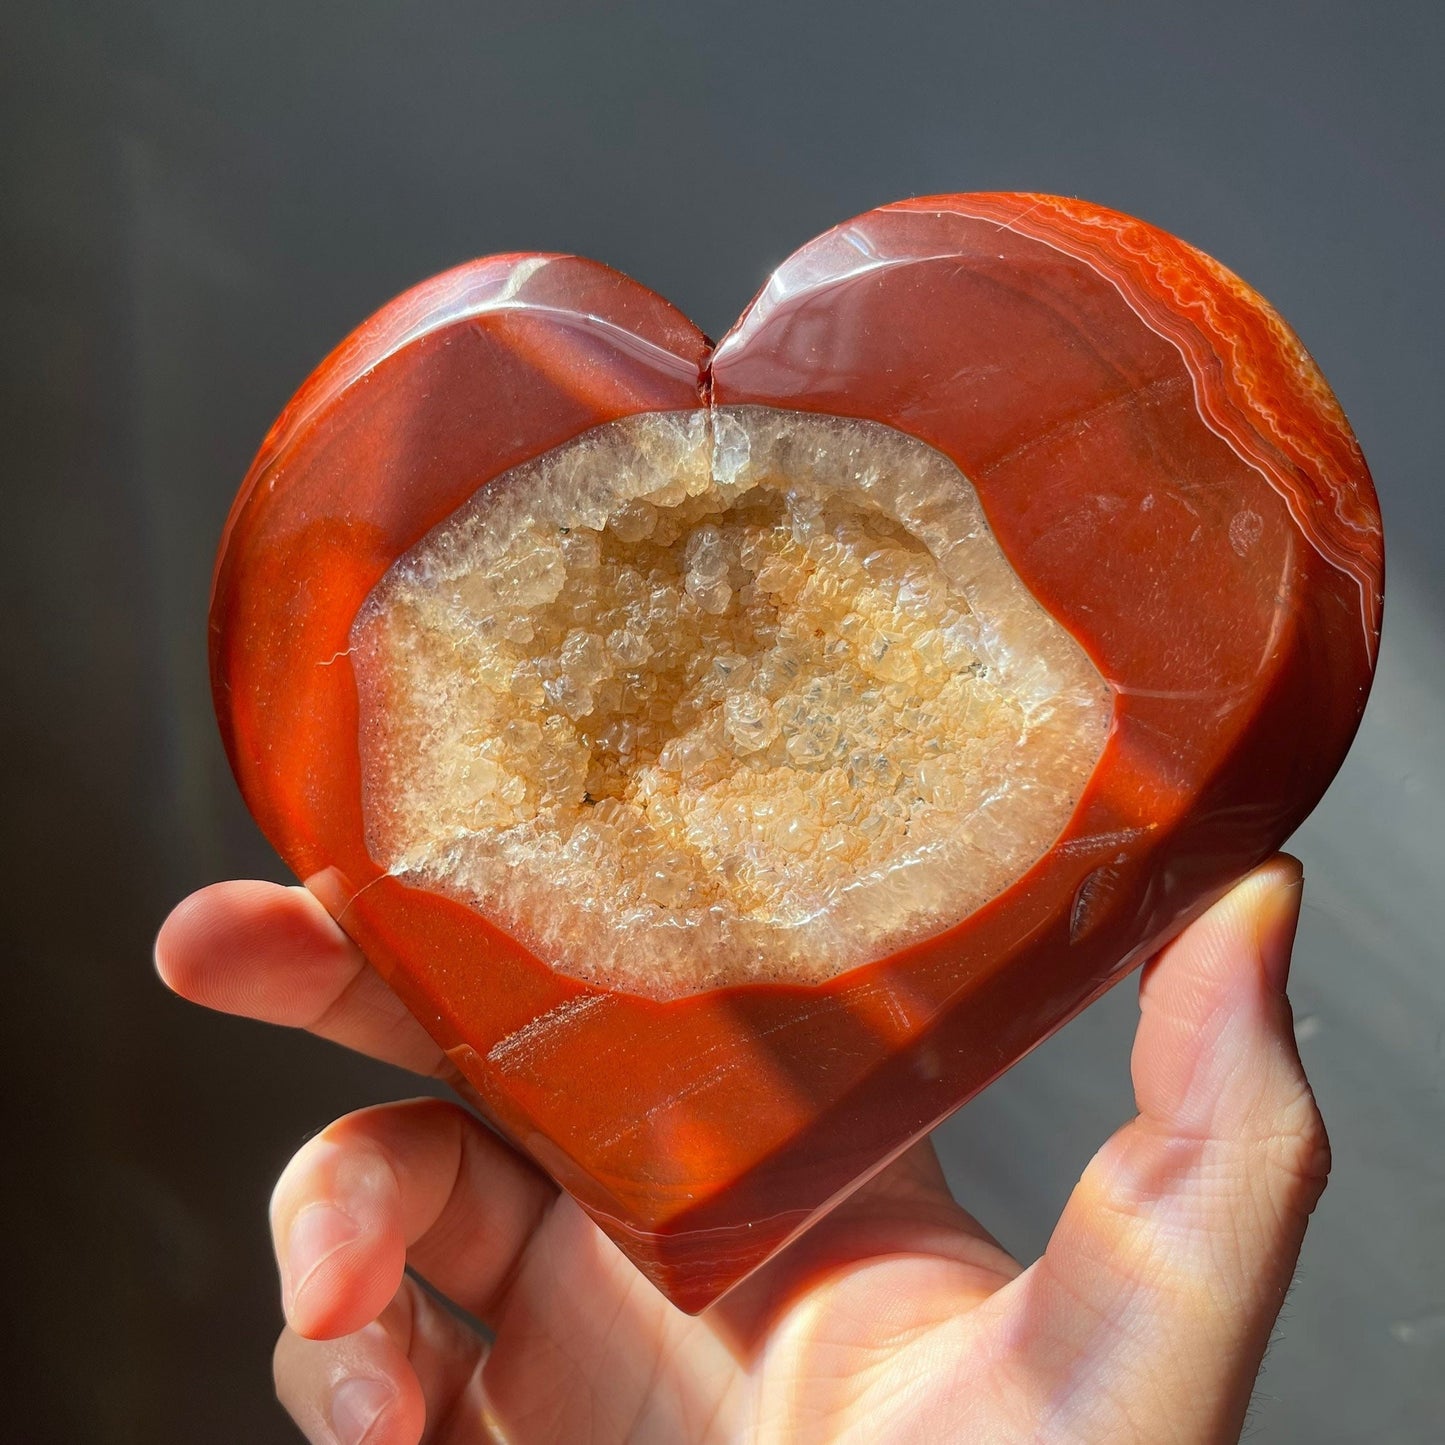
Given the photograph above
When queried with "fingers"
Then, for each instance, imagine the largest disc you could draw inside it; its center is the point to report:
(274, 953)
(402, 1379)
(1175, 1251)
(423, 1183)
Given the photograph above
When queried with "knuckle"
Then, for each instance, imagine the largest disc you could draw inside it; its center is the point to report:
(283, 1366)
(1297, 1155)
(290, 1184)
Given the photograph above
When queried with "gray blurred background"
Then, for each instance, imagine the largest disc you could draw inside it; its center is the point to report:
(199, 199)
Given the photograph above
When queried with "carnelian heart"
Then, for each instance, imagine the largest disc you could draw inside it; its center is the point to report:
(1190, 600)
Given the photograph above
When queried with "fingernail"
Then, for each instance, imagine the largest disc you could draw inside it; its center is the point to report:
(356, 1405)
(316, 1234)
(1277, 930)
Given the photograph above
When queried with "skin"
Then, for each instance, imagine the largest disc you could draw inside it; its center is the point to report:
(897, 1318)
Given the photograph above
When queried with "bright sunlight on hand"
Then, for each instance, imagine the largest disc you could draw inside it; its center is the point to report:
(896, 1318)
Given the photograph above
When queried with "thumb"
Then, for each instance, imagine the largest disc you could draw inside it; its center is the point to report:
(1172, 1258)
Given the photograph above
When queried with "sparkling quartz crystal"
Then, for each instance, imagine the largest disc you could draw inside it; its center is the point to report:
(711, 698)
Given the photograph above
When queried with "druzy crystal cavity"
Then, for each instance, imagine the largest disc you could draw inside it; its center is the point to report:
(716, 697)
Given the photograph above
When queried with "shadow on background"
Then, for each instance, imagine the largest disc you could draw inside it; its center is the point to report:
(200, 200)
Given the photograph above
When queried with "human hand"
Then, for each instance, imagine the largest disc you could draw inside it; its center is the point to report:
(895, 1318)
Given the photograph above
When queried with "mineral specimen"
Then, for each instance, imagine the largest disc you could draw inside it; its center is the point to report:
(739, 755)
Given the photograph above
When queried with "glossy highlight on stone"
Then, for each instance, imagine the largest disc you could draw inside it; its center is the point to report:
(1156, 458)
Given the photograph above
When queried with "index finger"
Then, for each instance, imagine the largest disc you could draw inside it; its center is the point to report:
(268, 952)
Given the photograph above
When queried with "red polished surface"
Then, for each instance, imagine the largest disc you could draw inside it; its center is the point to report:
(1160, 461)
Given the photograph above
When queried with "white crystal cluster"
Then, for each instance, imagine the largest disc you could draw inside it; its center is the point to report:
(718, 697)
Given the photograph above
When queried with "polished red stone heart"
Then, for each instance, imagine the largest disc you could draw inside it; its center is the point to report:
(1158, 459)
